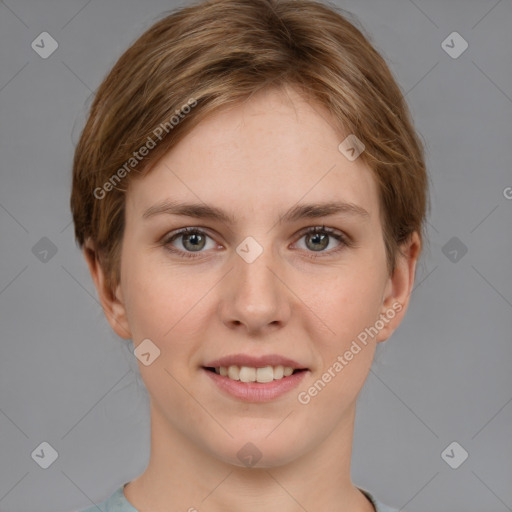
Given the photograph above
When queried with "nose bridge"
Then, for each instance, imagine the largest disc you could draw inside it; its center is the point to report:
(256, 283)
(256, 297)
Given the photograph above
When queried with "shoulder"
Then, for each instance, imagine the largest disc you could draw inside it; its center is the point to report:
(117, 502)
(379, 506)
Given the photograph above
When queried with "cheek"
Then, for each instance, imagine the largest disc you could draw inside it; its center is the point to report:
(165, 303)
(151, 303)
(353, 300)
(349, 307)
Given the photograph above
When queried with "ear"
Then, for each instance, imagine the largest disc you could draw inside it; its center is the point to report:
(399, 287)
(111, 301)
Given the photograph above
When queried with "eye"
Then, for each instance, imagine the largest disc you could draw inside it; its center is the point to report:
(318, 238)
(192, 240)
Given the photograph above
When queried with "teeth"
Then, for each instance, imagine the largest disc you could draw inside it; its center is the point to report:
(249, 374)
(265, 374)
(234, 372)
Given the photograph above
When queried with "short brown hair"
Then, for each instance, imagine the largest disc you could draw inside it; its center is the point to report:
(218, 53)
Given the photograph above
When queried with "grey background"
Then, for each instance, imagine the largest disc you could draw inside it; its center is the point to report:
(444, 376)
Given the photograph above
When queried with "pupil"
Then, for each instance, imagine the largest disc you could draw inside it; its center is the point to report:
(194, 244)
(322, 242)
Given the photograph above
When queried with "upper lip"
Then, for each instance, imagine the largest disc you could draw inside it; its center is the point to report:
(254, 362)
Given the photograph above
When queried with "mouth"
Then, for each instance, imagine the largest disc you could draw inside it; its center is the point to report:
(260, 375)
(255, 378)
(255, 384)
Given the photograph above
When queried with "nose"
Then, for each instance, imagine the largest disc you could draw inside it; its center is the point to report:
(254, 297)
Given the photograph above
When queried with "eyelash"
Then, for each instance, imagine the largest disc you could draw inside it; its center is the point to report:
(345, 242)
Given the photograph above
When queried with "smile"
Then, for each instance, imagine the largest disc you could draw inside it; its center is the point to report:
(251, 374)
(255, 384)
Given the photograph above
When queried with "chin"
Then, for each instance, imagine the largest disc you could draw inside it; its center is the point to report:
(259, 451)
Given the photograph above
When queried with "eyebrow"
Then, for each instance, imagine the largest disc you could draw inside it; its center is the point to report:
(301, 211)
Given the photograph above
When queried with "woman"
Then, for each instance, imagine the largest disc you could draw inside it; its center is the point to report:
(250, 194)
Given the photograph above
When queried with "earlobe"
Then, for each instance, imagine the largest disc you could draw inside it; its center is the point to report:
(111, 301)
(399, 287)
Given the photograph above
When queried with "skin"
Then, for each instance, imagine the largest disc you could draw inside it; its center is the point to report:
(254, 160)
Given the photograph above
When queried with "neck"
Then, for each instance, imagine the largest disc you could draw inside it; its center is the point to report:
(186, 476)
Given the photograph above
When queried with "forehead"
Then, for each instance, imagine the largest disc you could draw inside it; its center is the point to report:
(269, 152)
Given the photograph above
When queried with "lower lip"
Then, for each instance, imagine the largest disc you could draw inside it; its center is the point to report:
(256, 391)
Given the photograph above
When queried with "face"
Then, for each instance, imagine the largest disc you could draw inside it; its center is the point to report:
(258, 282)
